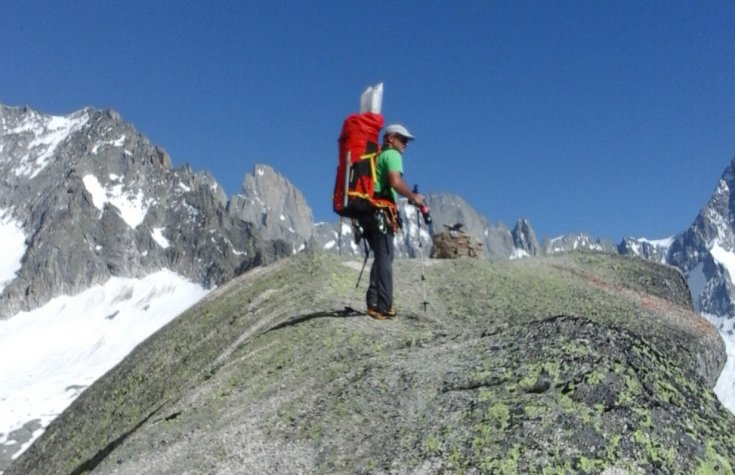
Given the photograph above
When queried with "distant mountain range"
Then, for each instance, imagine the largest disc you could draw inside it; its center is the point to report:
(86, 202)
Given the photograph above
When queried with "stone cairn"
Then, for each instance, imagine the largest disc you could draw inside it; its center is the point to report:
(454, 243)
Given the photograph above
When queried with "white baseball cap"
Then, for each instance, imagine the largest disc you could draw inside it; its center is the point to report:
(398, 129)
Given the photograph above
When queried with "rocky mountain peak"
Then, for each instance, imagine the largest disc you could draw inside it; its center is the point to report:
(704, 252)
(656, 251)
(100, 200)
(31, 141)
(269, 200)
(524, 239)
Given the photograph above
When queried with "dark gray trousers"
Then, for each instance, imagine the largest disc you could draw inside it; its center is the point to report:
(380, 291)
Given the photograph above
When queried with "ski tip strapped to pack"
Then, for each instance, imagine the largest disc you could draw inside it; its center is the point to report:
(359, 147)
(371, 99)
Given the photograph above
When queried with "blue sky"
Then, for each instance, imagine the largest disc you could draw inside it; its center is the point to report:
(614, 118)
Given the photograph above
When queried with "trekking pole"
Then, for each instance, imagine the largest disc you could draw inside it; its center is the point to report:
(427, 218)
(367, 254)
(339, 236)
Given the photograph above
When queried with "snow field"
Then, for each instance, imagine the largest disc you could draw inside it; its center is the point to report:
(52, 353)
(132, 206)
(13, 240)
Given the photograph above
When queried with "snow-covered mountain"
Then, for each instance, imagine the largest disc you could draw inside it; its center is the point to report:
(576, 242)
(104, 242)
(652, 250)
(94, 199)
(706, 253)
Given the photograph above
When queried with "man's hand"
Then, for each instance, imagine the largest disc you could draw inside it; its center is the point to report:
(417, 200)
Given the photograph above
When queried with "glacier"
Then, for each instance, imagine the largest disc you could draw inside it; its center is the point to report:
(51, 354)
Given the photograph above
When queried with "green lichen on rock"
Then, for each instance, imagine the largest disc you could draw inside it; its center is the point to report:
(572, 364)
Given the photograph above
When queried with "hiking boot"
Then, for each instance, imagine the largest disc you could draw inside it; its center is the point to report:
(382, 314)
(378, 315)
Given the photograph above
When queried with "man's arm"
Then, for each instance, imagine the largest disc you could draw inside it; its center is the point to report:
(395, 180)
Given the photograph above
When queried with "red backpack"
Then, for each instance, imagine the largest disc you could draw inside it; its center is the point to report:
(354, 188)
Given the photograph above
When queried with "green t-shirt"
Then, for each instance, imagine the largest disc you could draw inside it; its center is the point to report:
(389, 160)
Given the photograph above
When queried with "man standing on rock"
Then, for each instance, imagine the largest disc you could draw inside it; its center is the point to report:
(379, 228)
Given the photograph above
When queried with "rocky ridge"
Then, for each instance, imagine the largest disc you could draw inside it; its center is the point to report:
(269, 373)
